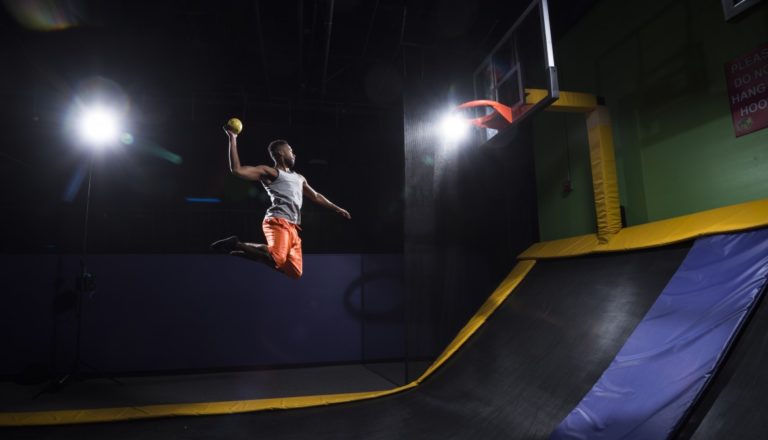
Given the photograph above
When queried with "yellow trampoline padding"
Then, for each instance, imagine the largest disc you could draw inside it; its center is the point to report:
(66, 417)
(63, 417)
(732, 218)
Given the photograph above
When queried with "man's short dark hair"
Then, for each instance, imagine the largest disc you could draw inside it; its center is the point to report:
(274, 146)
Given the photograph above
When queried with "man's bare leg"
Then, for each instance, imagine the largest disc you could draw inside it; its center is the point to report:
(225, 244)
(254, 251)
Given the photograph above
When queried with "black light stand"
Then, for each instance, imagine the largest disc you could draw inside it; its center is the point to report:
(85, 283)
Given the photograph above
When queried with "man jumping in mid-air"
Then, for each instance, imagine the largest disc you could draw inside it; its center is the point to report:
(286, 189)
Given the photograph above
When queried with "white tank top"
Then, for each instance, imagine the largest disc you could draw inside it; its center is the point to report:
(286, 193)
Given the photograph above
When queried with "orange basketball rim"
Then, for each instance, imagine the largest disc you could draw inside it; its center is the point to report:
(499, 118)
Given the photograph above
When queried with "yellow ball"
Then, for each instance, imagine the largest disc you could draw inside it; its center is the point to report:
(235, 125)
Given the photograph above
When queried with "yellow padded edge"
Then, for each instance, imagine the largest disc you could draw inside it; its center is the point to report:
(732, 218)
(490, 305)
(232, 407)
(63, 417)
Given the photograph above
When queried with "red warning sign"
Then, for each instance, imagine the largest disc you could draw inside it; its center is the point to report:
(747, 78)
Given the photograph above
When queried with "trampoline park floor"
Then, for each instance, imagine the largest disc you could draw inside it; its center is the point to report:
(524, 369)
(195, 388)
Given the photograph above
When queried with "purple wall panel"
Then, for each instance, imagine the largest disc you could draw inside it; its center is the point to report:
(179, 312)
(27, 286)
(383, 308)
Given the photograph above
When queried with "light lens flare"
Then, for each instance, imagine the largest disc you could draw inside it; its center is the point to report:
(75, 182)
(126, 138)
(45, 15)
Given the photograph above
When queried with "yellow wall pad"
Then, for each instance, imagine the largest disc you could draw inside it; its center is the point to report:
(232, 407)
(604, 183)
(733, 218)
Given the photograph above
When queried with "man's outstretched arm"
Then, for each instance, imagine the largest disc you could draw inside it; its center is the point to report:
(320, 199)
(246, 172)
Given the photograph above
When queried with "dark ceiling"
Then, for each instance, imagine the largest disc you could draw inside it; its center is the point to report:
(296, 49)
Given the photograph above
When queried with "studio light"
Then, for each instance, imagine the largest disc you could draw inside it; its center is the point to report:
(98, 126)
(453, 128)
(92, 124)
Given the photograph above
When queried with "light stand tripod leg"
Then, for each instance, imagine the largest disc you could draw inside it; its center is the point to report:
(85, 283)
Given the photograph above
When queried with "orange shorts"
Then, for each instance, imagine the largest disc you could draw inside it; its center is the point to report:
(284, 244)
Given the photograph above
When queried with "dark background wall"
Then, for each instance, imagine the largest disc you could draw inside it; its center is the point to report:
(352, 155)
(178, 73)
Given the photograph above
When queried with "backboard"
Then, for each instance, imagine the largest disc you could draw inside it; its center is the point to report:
(519, 72)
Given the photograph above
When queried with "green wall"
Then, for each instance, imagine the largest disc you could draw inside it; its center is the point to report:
(659, 66)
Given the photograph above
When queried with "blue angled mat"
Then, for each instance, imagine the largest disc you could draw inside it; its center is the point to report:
(674, 351)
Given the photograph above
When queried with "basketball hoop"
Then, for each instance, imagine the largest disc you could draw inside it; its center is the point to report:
(500, 118)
